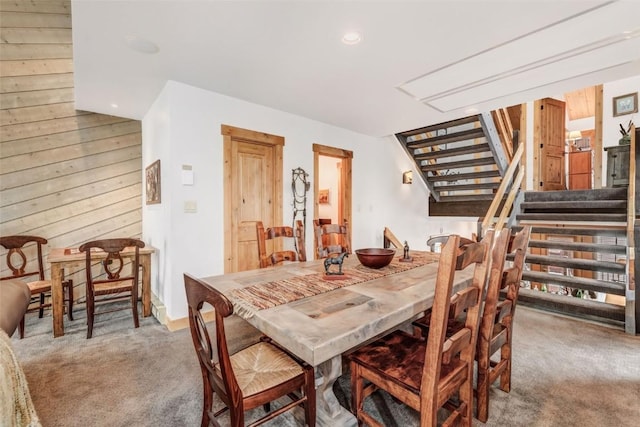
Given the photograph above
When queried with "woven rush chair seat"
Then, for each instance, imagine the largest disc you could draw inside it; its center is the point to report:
(249, 378)
(262, 366)
(112, 287)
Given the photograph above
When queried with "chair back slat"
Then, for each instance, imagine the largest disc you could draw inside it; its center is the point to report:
(496, 329)
(331, 239)
(455, 344)
(277, 235)
(455, 255)
(199, 293)
(16, 259)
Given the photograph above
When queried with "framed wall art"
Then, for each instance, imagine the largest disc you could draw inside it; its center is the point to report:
(153, 183)
(625, 104)
(323, 197)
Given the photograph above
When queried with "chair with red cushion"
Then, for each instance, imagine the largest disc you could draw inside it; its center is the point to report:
(427, 374)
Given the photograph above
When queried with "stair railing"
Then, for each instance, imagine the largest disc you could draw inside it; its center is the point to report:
(631, 327)
(390, 239)
(505, 130)
(508, 181)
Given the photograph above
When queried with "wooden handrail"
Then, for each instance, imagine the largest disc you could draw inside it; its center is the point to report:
(505, 130)
(390, 238)
(504, 184)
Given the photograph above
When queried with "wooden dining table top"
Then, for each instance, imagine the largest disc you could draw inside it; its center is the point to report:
(320, 327)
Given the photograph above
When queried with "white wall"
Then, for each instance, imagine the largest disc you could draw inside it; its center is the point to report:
(183, 127)
(610, 124)
(156, 138)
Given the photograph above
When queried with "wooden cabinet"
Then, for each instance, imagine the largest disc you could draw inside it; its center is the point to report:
(580, 170)
(617, 165)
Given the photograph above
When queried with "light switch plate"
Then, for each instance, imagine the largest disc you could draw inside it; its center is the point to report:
(190, 206)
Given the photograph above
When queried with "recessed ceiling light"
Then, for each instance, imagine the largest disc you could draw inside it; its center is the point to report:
(352, 37)
(471, 110)
(140, 44)
(114, 105)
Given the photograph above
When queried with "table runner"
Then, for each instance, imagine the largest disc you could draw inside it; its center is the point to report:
(271, 294)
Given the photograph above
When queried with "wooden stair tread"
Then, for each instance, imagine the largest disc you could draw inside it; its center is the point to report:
(464, 135)
(574, 205)
(458, 151)
(570, 305)
(464, 176)
(576, 282)
(579, 195)
(444, 125)
(618, 231)
(576, 263)
(467, 198)
(578, 246)
(481, 161)
(569, 217)
(464, 187)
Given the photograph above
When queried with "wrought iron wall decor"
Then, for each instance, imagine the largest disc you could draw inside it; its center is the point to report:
(299, 186)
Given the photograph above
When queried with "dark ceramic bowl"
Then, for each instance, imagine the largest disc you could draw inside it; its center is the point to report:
(375, 257)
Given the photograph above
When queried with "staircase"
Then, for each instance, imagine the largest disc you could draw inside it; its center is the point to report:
(461, 162)
(577, 252)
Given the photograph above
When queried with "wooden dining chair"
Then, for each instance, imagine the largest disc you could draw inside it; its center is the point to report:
(24, 252)
(496, 326)
(495, 330)
(426, 374)
(250, 378)
(331, 239)
(272, 239)
(114, 280)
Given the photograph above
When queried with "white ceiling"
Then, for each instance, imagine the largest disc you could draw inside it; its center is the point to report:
(419, 63)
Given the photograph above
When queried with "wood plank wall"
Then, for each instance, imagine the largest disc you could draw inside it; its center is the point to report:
(67, 175)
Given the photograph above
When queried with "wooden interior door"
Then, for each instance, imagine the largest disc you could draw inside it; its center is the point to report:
(550, 135)
(252, 192)
(580, 170)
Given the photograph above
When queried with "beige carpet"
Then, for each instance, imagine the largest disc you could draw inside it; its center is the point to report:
(566, 373)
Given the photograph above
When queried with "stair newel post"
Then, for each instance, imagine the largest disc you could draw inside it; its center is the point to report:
(633, 238)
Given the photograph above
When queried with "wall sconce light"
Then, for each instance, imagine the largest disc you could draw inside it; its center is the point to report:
(407, 177)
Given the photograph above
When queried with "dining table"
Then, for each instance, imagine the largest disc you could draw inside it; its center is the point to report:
(319, 318)
(63, 260)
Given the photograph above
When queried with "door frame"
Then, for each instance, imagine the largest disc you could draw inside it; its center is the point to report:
(346, 194)
(230, 135)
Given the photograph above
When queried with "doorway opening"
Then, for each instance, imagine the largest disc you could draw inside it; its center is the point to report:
(332, 186)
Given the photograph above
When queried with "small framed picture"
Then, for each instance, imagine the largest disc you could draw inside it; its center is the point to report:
(625, 104)
(323, 197)
(153, 183)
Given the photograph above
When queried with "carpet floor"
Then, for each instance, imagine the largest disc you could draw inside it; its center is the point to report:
(566, 372)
